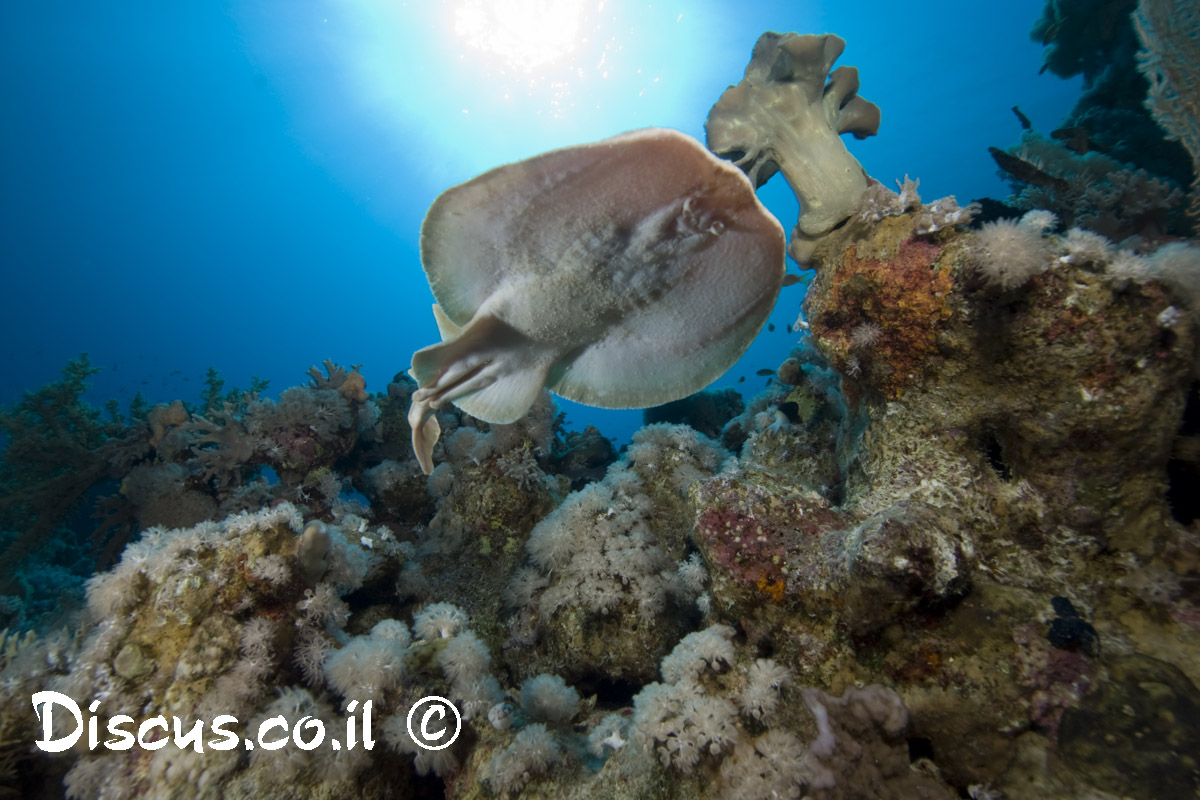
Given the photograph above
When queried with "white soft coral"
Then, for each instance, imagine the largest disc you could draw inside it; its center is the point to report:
(760, 698)
(1007, 254)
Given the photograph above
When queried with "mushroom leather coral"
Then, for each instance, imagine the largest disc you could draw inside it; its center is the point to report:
(788, 114)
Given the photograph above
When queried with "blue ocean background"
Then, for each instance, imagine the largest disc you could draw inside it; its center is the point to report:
(241, 185)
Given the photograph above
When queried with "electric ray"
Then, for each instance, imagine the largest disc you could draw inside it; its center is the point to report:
(625, 273)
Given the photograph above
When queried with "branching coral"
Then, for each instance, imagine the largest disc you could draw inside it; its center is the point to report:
(202, 465)
(349, 384)
(231, 448)
(57, 449)
(1093, 190)
(1171, 63)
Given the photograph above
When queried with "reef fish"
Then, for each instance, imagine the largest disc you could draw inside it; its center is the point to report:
(624, 273)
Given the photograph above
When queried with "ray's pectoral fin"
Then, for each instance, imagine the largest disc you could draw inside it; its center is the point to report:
(424, 434)
(488, 369)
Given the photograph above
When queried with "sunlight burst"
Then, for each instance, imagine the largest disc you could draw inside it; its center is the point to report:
(524, 34)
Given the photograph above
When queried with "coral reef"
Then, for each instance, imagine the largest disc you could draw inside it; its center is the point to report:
(603, 598)
(1016, 452)
(168, 465)
(942, 554)
(199, 622)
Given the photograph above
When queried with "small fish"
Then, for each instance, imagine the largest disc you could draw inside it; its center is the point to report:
(765, 372)
(770, 327)
(1025, 123)
(789, 327)
(1025, 171)
(1076, 139)
(742, 379)
(1052, 32)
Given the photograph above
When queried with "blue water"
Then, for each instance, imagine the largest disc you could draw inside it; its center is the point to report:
(241, 185)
